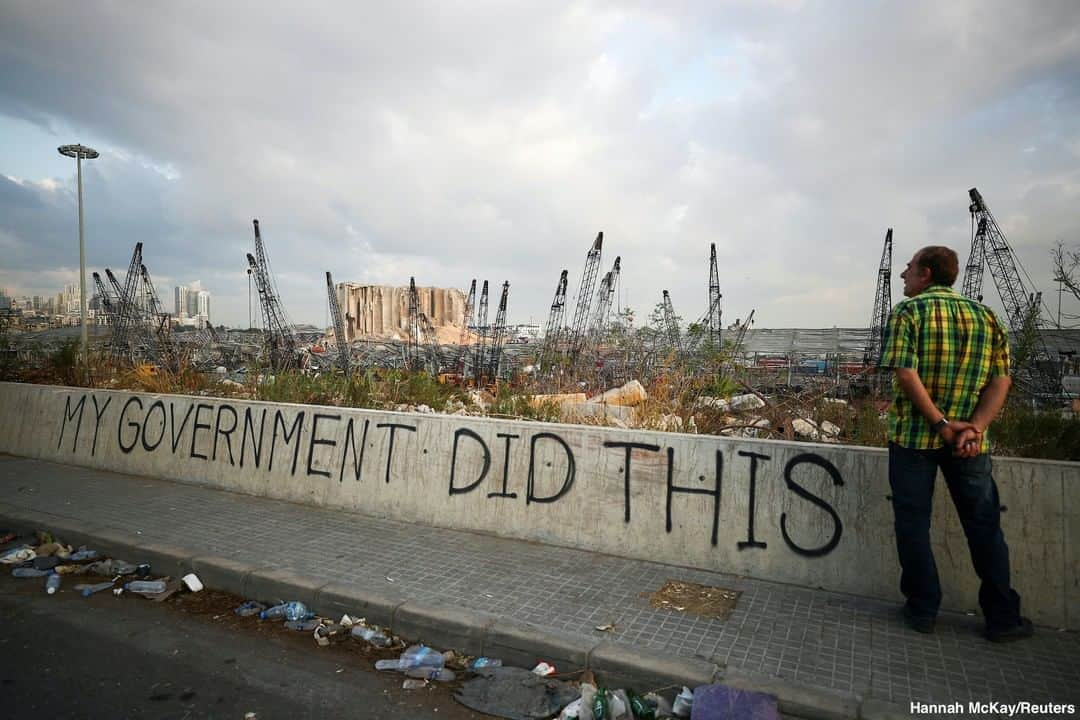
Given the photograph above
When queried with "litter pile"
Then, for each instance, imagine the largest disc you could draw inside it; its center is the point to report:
(482, 683)
(51, 559)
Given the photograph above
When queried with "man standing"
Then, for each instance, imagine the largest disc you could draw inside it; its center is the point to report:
(950, 357)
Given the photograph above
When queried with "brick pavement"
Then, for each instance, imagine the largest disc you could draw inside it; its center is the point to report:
(812, 637)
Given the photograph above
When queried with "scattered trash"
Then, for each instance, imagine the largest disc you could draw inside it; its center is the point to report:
(512, 692)
(118, 591)
(640, 707)
(88, 590)
(192, 582)
(717, 702)
(293, 610)
(145, 587)
(389, 579)
(439, 674)
(29, 572)
(600, 704)
(46, 562)
(84, 555)
(17, 556)
(322, 635)
(53, 548)
(661, 703)
(373, 635)
(249, 608)
(683, 704)
(544, 669)
(413, 684)
(610, 627)
(413, 657)
(306, 625)
(346, 621)
(52, 583)
(571, 711)
(68, 569)
(483, 662)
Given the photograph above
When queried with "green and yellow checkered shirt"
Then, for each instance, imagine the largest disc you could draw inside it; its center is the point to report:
(956, 345)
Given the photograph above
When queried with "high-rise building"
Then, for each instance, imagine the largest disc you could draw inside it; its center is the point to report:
(192, 304)
(181, 297)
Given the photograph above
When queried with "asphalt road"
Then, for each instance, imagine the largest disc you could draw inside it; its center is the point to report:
(63, 656)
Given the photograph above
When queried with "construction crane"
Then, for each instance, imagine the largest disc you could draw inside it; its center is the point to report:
(129, 314)
(882, 305)
(159, 328)
(429, 340)
(106, 302)
(671, 325)
(280, 341)
(740, 333)
(553, 329)
(988, 243)
(498, 333)
(339, 326)
(584, 297)
(412, 348)
(481, 333)
(463, 345)
(715, 311)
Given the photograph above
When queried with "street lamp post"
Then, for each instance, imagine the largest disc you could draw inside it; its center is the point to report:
(79, 152)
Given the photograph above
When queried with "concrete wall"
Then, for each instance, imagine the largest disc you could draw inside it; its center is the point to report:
(807, 514)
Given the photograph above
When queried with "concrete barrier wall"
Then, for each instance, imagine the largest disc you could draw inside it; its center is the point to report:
(808, 514)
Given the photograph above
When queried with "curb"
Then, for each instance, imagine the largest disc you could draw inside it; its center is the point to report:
(465, 631)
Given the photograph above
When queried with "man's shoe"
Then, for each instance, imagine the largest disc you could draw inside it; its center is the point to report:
(919, 623)
(1021, 631)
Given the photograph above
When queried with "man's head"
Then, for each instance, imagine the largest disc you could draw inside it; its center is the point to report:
(933, 265)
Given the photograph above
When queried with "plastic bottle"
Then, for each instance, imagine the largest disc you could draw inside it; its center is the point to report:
(485, 662)
(302, 625)
(420, 656)
(391, 664)
(440, 674)
(88, 590)
(412, 684)
(294, 610)
(82, 555)
(29, 572)
(683, 704)
(52, 583)
(145, 586)
(376, 637)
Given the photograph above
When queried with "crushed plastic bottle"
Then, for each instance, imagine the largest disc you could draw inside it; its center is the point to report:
(29, 572)
(374, 636)
(249, 608)
(145, 586)
(439, 674)
(88, 590)
(485, 662)
(84, 555)
(293, 610)
(683, 704)
(302, 625)
(420, 656)
(413, 684)
(392, 664)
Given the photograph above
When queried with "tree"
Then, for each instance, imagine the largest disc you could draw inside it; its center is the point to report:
(1067, 268)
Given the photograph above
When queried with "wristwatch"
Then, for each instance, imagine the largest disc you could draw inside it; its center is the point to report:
(939, 425)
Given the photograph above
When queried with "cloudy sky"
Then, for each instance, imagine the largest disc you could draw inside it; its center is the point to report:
(494, 139)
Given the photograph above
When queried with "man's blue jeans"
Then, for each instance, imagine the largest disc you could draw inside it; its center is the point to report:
(971, 485)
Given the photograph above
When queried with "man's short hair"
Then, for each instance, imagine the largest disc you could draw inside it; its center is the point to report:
(942, 262)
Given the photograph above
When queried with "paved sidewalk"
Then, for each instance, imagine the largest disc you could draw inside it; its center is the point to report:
(809, 637)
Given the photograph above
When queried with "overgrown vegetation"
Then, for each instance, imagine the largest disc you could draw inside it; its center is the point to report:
(679, 399)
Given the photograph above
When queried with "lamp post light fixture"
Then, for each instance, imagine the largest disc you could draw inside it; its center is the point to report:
(80, 152)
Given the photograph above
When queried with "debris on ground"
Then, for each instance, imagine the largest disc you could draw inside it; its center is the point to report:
(483, 683)
(702, 600)
(515, 693)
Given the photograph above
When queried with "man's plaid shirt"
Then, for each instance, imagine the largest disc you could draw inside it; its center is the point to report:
(956, 345)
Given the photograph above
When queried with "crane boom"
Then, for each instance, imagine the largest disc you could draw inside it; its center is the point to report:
(339, 326)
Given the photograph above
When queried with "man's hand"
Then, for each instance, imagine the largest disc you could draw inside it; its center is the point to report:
(964, 438)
